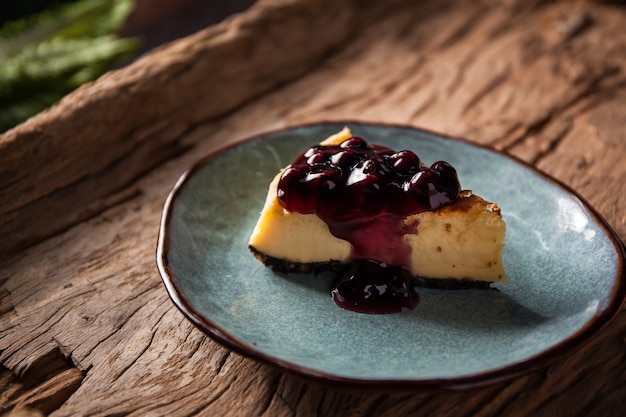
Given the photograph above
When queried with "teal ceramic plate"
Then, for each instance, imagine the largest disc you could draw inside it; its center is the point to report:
(565, 268)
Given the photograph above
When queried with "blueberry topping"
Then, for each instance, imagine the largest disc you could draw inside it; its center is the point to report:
(364, 192)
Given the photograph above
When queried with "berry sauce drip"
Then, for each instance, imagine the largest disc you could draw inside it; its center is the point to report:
(364, 192)
(375, 288)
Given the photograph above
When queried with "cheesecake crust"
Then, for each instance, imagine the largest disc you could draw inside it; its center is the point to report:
(285, 267)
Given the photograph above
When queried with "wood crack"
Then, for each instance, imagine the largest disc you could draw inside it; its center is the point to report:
(464, 29)
(319, 412)
(134, 361)
(213, 400)
(491, 86)
(45, 387)
(552, 145)
(564, 112)
(145, 348)
(272, 385)
(432, 99)
(222, 362)
(459, 77)
(374, 406)
(117, 327)
(24, 365)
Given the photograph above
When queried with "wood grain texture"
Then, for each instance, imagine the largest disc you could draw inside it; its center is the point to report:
(86, 327)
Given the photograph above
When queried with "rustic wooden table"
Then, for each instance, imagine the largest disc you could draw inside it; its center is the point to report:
(86, 326)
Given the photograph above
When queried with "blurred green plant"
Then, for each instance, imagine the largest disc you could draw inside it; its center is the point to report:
(44, 57)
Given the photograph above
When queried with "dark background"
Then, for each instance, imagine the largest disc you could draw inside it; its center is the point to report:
(153, 21)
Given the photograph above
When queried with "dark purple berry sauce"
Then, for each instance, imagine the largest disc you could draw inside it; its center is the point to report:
(364, 192)
(375, 288)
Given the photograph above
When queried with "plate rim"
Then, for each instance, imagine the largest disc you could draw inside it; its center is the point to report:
(535, 362)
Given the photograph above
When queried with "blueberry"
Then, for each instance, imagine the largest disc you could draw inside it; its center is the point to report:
(419, 182)
(404, 162)
(345, 159)
(354, 142)
(323, 179)
(447, 179)
(316, 158)
(312, 150)
(289, 190)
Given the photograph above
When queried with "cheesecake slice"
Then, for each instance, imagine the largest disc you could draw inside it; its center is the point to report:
(345, 201)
